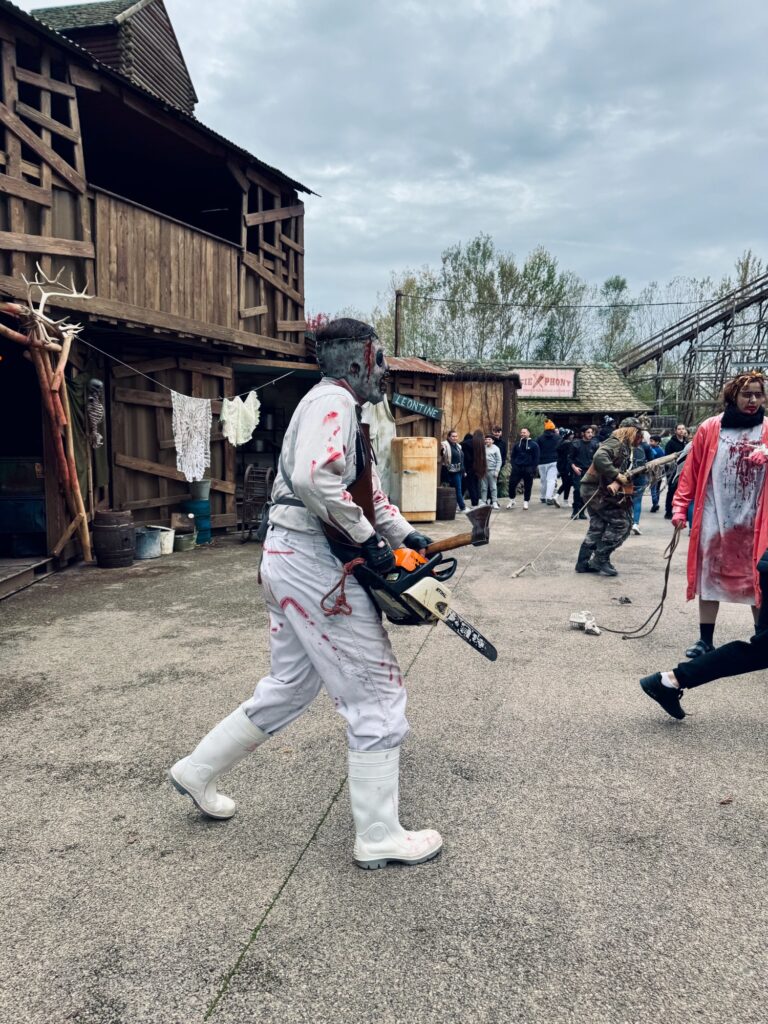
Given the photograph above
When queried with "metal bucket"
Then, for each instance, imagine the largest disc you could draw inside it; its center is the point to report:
(166, 539)
(200, 490)
(148, 542)
(185, 541)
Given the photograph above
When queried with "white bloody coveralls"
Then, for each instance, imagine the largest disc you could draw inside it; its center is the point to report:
(348, 654)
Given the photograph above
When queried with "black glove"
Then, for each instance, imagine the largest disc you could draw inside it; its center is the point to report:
(378, 554)
(417, 541)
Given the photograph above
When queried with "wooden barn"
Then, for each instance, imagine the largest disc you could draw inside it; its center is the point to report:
(479, 395)
(416, 396)
(191, 251)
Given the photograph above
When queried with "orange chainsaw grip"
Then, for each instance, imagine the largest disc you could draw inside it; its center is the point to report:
(407, 559)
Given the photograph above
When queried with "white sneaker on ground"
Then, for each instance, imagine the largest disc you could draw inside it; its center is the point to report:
(495, 505)
(511, 504)
(636, 530)
(556, 501)
(525, 504)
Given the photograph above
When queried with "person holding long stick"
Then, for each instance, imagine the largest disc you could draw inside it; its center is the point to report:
(602, 492)
(327, 501)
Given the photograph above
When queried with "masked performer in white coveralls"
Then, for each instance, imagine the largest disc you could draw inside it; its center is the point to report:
(324, 453)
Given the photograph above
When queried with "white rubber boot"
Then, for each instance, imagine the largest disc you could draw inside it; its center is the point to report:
(373, 793)
(224, 747)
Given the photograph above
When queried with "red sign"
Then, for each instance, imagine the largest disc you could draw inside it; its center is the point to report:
(547, 383)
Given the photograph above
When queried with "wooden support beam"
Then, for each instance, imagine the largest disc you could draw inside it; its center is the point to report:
(25, 190)
(289, 242)
(54, 161)
(144, 366)
(270, 216)
(158, 502)
(62, 542)
(109, 309)
(38, 243)
(155, 399)
(44, 82)
(84, 79)
(253, 264)
(278, 254)
(210, 369)
(292, 325)
(278, 364)
(157, 469)
(246, 314)
(24, 110)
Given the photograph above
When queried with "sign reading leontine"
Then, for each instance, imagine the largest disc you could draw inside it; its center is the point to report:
(547, 383)
(414, 405)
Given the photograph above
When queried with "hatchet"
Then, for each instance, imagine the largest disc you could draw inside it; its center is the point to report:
(480, 520)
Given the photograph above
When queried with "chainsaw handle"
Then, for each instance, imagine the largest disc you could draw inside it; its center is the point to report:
(459, 540)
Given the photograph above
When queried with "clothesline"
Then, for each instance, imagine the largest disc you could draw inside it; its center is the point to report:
(221, 398)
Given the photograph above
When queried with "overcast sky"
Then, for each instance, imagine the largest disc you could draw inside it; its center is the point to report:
(626, 137)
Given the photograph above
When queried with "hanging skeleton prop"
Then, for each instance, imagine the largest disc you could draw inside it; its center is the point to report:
(44, 338)
(95, 410)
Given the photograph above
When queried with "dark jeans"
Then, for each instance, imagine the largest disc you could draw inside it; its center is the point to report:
(732, 659)
(526, 475)
(655, 495)
(473, 487)
(671, 488)
(578, 504)
(454, 480)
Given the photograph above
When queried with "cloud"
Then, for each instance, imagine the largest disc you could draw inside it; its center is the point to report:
(626, 138)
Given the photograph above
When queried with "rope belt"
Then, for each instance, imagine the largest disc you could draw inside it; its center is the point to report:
(341, 606)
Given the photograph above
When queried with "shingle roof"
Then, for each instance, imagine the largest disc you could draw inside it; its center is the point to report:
(95, 15)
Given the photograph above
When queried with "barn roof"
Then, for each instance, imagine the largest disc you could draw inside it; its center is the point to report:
(36, 22)
(410, 364)
(93, 15)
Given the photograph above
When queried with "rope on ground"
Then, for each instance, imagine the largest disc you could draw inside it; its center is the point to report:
(638, 634)
(532, 563)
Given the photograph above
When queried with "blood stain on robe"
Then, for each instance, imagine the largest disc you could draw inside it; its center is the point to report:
(329, 417)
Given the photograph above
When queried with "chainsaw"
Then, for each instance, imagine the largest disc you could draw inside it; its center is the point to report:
(414, 592)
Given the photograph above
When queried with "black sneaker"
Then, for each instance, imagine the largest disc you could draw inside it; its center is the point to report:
(654, 508)
(699, 648)
(667, 515)
(667, 696)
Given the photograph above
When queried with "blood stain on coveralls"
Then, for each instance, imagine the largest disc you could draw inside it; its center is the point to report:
(274, 551)
(331, 416)
(333, 457)
(295, 604)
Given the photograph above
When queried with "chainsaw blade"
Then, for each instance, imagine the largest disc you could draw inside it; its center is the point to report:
(468, 633)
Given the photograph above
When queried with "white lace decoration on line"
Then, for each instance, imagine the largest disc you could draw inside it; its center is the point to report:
(192, 434)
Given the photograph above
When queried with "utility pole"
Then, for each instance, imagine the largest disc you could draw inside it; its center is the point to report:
(398, 320)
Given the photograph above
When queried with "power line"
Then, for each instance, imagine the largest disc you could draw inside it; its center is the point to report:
(544, 308)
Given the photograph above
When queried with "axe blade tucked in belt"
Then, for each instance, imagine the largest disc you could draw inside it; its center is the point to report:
(480, 520)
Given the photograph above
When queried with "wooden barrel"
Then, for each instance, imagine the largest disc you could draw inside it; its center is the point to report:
(114, 539)
(446, 503)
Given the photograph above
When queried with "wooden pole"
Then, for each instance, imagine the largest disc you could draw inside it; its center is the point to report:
(85, 537)
(398, 321)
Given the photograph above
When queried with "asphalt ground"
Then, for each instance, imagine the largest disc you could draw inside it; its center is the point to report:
(602, 862)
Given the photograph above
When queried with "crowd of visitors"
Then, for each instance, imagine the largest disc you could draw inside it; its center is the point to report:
(558, 457)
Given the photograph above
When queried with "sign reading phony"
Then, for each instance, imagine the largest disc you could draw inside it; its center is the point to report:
(547, 383)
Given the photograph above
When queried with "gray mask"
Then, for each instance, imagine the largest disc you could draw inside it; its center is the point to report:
(361, 363)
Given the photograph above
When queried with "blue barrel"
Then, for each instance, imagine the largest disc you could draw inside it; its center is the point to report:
(201, 510)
